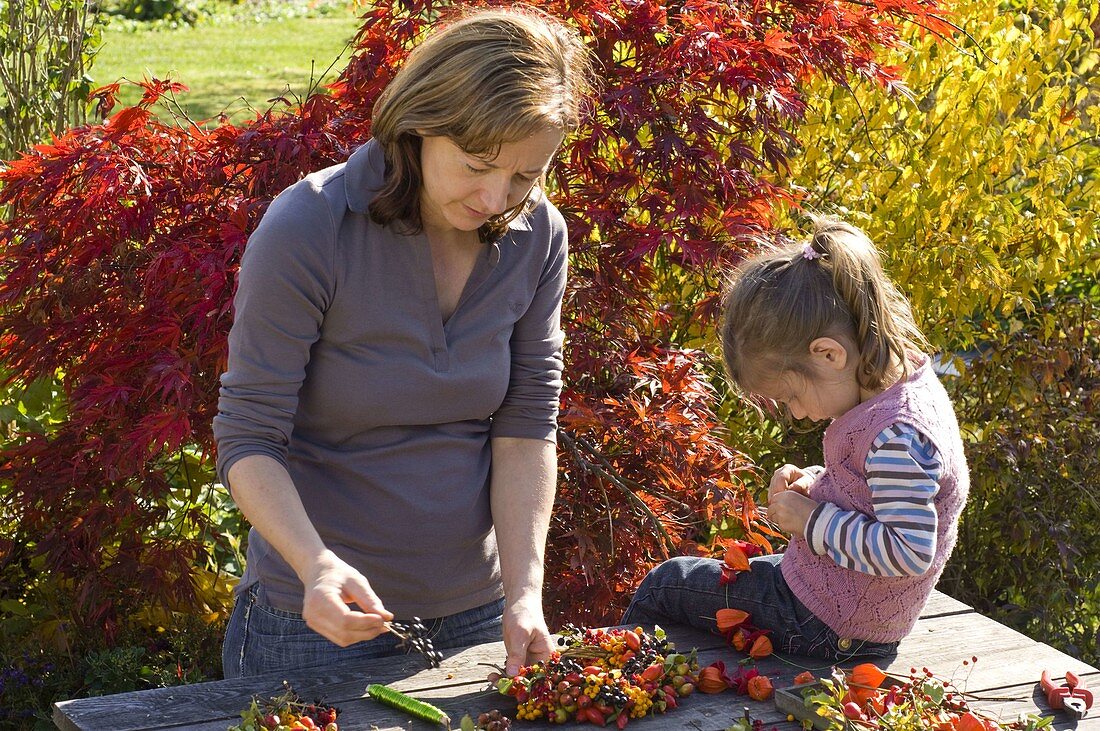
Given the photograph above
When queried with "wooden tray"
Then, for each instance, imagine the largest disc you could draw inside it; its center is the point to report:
(789, 701)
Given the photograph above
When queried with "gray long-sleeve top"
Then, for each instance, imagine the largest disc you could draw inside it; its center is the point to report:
(342, 369)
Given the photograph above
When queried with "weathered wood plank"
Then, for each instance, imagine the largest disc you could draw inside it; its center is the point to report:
(1005, 657)
(1006, 704)
(163, 707)
(947, 634)
(940, 604)
(181, 707)
(941, 644)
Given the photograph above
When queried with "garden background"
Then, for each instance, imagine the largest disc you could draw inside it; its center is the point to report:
(962, 136)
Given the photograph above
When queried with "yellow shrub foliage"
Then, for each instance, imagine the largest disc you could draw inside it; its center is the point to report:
(982, 187)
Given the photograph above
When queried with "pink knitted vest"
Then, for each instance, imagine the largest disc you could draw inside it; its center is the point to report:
(861, 606)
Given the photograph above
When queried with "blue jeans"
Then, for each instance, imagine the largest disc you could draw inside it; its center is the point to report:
(264, 639)
(686, 590)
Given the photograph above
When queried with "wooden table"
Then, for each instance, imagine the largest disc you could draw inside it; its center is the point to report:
(1005, 678)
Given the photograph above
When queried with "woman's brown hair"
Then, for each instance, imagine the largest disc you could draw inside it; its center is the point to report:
(489, 77)
(779, 302)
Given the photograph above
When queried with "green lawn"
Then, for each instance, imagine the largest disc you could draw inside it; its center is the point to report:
(228, 65)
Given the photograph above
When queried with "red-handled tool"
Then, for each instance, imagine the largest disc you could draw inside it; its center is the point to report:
(1074, 697)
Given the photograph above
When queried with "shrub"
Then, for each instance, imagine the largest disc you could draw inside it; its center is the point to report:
(981, 185)
(178, 11)
(32, 679)
(46, 49)
(1029, 543)
(150, 15)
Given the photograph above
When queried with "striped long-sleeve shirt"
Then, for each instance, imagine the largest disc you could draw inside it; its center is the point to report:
(903, 471)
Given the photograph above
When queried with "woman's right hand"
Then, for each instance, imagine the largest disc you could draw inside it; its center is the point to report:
(266, 495)
(790, 477)
(330, 586)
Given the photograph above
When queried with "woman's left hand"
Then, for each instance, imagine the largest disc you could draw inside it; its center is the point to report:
(526, 638)
(522, 496)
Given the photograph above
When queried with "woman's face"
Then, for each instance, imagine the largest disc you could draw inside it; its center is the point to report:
(461, 191)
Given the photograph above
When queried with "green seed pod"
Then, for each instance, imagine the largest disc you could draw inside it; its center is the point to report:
(408, 704)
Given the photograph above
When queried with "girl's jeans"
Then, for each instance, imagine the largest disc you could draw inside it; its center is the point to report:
(263, 639)
(685, 590)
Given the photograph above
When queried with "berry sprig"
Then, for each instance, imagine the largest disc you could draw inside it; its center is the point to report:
(414, 637)
(747, 723)
(287, 712)
(493, 720)
(867, 698)
(603, 676)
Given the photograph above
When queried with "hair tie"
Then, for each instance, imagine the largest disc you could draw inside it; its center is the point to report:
(809, 252)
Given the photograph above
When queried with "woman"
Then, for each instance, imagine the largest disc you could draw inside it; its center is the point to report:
(387, 420)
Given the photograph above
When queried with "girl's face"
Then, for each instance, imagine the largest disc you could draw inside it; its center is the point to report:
(814, 399)
(461, 191)
(827, 391)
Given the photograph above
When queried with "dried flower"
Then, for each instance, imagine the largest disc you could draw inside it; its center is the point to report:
(713, 678)
(760, 688)
(761, 647)
(730, 619)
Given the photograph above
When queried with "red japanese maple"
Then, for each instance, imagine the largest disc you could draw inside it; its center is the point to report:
(122, 242)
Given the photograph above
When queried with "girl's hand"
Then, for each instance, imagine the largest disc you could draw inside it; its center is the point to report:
(790, 477)
(790, 509)
(330, 586)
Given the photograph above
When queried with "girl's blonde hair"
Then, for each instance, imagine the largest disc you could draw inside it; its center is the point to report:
(779, 302)
(489, 77)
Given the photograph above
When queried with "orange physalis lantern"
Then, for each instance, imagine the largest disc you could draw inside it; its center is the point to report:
(738, 640)
(729, 619)
(863, 680)
(867, 675)
(761, 647)
(760, 688)
(969, 722)
(804, 678)
(736, 559)
(711, 680)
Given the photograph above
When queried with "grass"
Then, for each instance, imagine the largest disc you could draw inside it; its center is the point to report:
(233, 65)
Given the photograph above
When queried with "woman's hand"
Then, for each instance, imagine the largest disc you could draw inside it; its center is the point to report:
(790, 477)
(790, 509)
(330, 586)
(526, 638)
(266, 495)
(522, 496)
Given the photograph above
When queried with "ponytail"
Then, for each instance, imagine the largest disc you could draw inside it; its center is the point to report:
(885, 330)
(779, 302)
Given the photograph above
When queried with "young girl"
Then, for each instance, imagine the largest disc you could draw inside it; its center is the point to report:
(820, 329)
